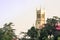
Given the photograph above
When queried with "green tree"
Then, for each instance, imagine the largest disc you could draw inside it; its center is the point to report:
(8, 32)
(32, 32)
(1, 33)
(49, 27)
(43, 34)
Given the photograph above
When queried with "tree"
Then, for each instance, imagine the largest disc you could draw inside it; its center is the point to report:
(43, 34)
(32, 32)
(7, 32)
(1, 33)
(49, 27)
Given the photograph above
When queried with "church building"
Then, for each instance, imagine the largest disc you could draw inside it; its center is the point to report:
(40, 18)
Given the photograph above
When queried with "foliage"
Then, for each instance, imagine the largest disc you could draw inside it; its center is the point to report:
(49, 27)
(7, 33)
(42, 34)
(32, 32)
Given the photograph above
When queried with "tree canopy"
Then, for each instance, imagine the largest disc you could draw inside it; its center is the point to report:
(47, 30)
(7, 33)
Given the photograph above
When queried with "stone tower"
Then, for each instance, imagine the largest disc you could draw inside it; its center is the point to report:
(40, 18)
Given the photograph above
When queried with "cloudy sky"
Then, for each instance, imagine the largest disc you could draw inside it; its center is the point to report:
(23, 12)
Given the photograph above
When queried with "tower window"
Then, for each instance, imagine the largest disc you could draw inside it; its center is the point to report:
(38, 15)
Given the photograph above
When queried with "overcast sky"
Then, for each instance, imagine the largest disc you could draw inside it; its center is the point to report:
(23, 12)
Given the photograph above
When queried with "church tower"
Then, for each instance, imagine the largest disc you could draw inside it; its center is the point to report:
(40, 18)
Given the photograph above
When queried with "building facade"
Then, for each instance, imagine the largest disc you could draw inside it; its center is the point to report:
(40, 18)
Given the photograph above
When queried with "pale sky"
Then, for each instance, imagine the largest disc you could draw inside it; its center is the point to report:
(23, 12)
